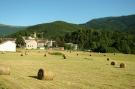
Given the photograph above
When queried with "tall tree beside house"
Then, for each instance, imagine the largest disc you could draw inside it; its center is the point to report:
(20, 43)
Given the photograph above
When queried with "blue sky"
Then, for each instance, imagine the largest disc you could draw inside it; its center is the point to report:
(30, 12)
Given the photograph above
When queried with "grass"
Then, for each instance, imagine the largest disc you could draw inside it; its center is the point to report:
(76, 72)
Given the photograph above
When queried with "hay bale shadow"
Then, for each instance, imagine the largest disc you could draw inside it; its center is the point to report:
(91, 59)
(116, 67)
(35, 77)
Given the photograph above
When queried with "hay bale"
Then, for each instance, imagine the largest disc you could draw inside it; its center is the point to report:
(49, 75)
(45, 55)
(77, 54)
(4, 70)
(90, 54)
(45, 75)
(108, 59)
(26, 53)
(40, 74)
(21, 55)
(122, 65)
(64, 56)
(3, 52)
(113, 63)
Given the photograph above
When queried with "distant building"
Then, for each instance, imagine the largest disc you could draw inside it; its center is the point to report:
(72, 46)
(31, 44)
(9, 46)
(49, 43)
(41, 44)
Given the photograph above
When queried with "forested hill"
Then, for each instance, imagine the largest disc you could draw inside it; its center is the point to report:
(50, 30)
(6, 29)
(60, 28)
(122, 23)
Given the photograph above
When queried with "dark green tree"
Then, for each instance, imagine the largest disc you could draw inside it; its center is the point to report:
(20, 43)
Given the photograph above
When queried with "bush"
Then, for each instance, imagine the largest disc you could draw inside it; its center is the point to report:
(111, 50)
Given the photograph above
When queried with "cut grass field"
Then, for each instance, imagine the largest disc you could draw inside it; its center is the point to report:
(74, 72)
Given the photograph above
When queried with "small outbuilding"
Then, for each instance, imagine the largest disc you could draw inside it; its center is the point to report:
(9, 46)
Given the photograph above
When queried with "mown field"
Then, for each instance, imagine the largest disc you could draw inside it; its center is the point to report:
(75, 72)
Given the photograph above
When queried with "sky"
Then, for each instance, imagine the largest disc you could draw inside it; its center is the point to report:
(31, 12)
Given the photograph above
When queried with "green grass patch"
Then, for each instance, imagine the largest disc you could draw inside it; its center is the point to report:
(56, 53)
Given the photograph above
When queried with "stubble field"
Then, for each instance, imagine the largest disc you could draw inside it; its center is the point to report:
(74, 72)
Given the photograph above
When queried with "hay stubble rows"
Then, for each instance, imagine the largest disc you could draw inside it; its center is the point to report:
(76, 72)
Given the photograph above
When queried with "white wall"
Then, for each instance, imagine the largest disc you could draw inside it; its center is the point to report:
(8, 46)
(31, 44)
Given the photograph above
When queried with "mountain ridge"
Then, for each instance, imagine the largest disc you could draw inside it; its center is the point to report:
(120, 23)
(60, 28)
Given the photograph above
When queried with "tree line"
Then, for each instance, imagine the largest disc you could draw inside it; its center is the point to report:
(102, 41)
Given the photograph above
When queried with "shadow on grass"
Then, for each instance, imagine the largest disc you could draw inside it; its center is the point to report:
(116, 67)
(35, 77)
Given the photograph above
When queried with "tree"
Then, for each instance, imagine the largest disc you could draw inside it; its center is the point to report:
(20, 42)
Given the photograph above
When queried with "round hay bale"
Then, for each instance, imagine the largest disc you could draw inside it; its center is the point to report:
(90, 54)
(4, 70)
(113, 63)
(108, 59)
(49, 75)
(77, 54)
(104, 55)
(122, 65)
(64, 56)
(40, 74)
(45, 75)
(44, 55)
(26, 53)
(3, 52)
(21, 55)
